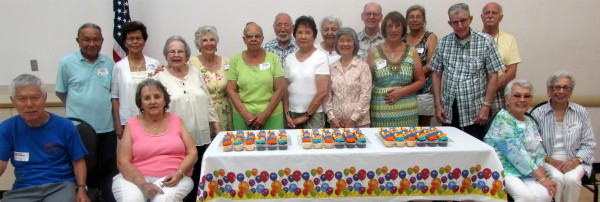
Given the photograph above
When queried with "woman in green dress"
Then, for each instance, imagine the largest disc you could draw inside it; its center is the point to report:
(397, 76)
(214, 70)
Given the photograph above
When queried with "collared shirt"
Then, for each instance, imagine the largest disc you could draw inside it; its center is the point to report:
(274, 47)
(509, 52)
(366, 44)
(87, 86)
(349, 97)
(465, 70)
(517, 144)
(579, 137)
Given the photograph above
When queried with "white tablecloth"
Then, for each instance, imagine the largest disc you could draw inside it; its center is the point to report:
(467, 169)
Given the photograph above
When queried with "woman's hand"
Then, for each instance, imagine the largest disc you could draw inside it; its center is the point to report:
(150, 190)
(173, 179)
(336, 123)
(249, 118)
(392, 96)
(301, 120)
(290, 121)
(550, 185)
(350, 124)
(259, 120)
(568, 165)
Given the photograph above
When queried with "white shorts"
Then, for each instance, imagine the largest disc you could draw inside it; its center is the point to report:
(425, 104)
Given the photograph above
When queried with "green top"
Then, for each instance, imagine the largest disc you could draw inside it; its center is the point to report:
(256, 83)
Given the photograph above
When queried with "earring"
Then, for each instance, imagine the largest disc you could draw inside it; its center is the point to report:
(142, 111)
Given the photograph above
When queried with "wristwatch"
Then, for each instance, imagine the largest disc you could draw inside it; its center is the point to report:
(580, 160)
(82, 186)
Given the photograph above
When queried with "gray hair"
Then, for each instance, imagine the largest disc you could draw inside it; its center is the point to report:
(25, 80)
(151, 83)
(187, 49)
(202, 31)
(373, 3)
(280, 14)
(559, 75)
(416, 8)
(332, 19)
(346, 31)
(517, 82)
(91, 25)
(499, 7)
(459, 7)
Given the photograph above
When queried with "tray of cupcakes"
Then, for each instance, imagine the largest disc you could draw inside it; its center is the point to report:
(260, 140)
(338, 138)
(413, 136)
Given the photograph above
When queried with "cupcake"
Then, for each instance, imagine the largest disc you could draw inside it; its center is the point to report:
(350, 139)
(250, 142)
(411, 140)
(442, 139)
(272, 142)
(432, 139)
(389, 139)
(329, 142)
(282, 141)
(317, 140)
(306, 140)
(261, 141)
(238, 144)
(421, 140)
(400, 139)
(339, 140)
(361, 140)
(227, 144)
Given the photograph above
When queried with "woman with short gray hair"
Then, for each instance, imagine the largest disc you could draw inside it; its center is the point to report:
(329, 27)
(347, 104)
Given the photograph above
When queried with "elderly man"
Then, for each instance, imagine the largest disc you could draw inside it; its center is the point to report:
(465, 63)
(491, 15)
(83, 85)
(283, 44)
(44, 148)
(370, 36)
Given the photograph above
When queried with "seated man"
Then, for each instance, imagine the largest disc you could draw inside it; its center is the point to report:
(44, 148)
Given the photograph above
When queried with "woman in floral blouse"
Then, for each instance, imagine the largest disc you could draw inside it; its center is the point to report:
(348, 102)
(214, 70)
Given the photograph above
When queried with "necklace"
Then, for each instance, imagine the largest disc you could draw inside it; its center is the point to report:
(393, 56)
(139, 66)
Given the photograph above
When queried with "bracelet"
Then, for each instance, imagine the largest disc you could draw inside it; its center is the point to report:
(542, 180)
(288, 113)
(180, 171)
(307, 115)
(487, 104)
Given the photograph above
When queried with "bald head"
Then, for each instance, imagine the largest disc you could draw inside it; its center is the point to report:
(491, 15)
(252, 25)
(492, 5)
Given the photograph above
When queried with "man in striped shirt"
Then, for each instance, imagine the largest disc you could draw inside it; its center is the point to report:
(465, 66)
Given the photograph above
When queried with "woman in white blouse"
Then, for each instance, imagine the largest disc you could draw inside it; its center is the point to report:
(128, 73)
(567, 137)
(190, 98)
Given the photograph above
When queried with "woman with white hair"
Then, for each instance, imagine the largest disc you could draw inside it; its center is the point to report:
(214, 69)
(567, 137)
(329, 28)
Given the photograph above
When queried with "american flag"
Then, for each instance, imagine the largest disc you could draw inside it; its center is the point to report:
(121, 9)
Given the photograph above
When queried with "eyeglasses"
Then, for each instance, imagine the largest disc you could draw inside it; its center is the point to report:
(519, 96)
(250, 36)
(415, 17)
(565, 88)
(374, 14)
(283, 25)
(461, 21)
(176, 52)
(89, 41)
(134, 39)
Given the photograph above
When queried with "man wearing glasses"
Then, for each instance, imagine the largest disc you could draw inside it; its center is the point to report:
(370, 35)
(83, 85)
(283, 44)
(491, 15)
(465, 66)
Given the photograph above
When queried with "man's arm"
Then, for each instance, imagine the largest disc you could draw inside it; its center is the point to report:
(484, 112)
(3, 165)
(80, 171)
(62, 97)
(509, 75)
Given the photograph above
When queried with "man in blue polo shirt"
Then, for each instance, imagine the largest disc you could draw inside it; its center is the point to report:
(83, 85)
(44, 148)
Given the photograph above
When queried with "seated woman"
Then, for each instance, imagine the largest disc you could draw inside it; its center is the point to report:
(567, 137)
(348, 102)
(518, 145)
(156, 153)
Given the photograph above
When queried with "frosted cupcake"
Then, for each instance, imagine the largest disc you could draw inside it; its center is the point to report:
(238, 144)
(282, 141)
(306, 140)
(350, 140)
(421, 140)
(227, 144)
(361, 140)
(400, 139)
(432, 139)
(411, 140)
(272, 142)
(389, 140)
(317, 141)
(443, 139)
(339, 140)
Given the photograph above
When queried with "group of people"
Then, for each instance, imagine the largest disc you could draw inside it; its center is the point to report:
(393, 73)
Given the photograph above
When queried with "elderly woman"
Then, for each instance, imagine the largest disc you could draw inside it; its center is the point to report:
(190, 98)
(129, 72)
(517, 142)
(348, 102)
(214, 69)
(423, 41)
(329, 27)
(255, 84)
(567, 137)
(396, 76)
(156, 153)
(307, 74)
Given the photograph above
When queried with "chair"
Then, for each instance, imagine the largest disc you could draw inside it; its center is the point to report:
(90, 140)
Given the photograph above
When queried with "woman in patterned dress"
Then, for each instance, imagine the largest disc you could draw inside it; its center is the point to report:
(214, 70)
(423, 41)
(396, 76)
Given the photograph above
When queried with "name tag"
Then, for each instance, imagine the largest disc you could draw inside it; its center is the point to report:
(381, 64)
(102, 71)
(265, 66)
(420, 50)
(226, 66)
(21, 156)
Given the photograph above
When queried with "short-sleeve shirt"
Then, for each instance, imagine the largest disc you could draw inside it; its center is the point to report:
(465, 70)
(302, 79)
(42, 154)
(365, 44)
(87, 86)
(255, 83)
(274, 47)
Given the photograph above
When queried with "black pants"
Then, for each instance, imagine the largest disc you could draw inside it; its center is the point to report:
(475, 130)
(107, 163)
(191, 197)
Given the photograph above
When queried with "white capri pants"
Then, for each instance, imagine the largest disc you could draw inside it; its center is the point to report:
(526, 189)
(568, 185)
(125, 191)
